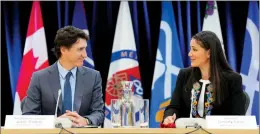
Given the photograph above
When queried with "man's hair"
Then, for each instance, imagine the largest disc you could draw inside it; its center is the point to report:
(66, 37)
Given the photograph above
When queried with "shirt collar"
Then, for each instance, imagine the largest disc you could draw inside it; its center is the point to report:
(63, 72)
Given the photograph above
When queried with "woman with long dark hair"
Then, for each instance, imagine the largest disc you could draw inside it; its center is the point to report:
(209, 86)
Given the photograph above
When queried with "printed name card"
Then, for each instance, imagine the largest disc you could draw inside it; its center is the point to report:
(29, 122)
(231, 122)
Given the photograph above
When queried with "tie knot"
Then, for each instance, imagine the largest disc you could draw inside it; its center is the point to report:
(68, 75)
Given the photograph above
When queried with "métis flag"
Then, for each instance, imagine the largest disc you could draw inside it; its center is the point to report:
(79, 21)
(124, 65)
(250, 60)
(35, 56)
(167, 65)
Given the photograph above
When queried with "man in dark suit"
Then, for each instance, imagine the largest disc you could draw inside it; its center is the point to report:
(81, 92)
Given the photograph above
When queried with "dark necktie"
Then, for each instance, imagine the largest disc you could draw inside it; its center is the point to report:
(67, 100)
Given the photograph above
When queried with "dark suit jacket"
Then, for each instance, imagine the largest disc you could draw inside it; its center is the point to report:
(233, 104)
(43, 93)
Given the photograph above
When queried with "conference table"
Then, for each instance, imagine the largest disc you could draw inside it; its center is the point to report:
(128, 131)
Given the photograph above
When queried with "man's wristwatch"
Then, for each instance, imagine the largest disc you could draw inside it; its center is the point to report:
(88, 121)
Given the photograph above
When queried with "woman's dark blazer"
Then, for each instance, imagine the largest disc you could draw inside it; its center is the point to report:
(234, 100)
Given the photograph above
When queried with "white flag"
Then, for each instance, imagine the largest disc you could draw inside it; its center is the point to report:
(124, 64)
(211, 20)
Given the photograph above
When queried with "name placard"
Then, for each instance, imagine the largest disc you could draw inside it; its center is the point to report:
(231, 122)
(29, 122)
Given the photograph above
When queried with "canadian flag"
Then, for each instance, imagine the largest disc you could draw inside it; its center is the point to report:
(35, 56)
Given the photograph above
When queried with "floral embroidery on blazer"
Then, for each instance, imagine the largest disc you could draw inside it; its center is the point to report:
(208, 104)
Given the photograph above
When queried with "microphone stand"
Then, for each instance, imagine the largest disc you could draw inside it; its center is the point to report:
(62, 128)
(198, 127)
(59, 125)
(57, 103)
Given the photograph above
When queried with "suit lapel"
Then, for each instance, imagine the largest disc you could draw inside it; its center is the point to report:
(79, 90)
(187, 97)
(54, 81)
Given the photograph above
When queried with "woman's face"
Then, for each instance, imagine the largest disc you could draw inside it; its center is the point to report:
(199, 56)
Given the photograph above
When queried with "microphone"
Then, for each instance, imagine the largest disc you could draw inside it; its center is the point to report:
(62, 122)
(195, 125)
(191, 122)
(57, 103)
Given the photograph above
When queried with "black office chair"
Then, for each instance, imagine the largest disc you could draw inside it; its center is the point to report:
(247, 98)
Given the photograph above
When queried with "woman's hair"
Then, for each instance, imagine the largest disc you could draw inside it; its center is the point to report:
(218, 63)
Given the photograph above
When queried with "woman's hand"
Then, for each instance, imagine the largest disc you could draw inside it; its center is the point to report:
(169, 119)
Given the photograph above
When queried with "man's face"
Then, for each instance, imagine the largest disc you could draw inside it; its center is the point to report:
(76, 54)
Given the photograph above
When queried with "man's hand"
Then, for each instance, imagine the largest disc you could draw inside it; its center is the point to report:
(76, 119)
(169, 119)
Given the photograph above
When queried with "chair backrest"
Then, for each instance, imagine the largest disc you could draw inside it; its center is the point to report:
(247, 101)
